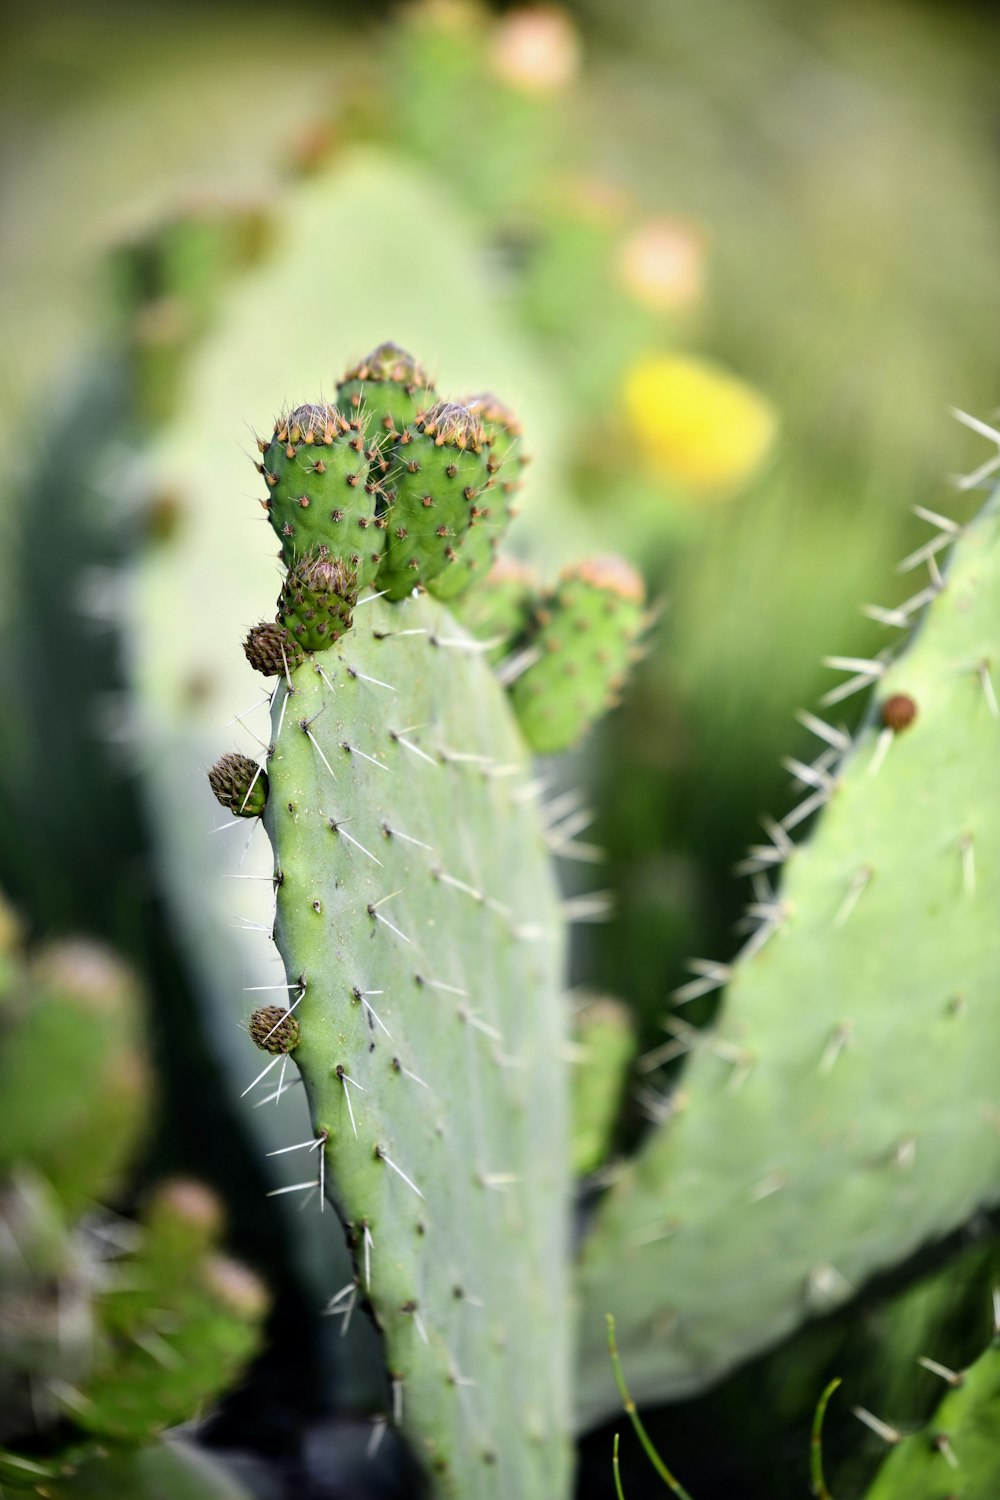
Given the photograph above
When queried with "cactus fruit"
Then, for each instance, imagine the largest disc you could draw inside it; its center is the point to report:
(274, 1029)
(240, 784)
(840, 1112)
(389, 389)
(270, 649)
(584, 640)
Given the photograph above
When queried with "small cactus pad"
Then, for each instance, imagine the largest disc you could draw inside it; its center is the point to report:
(319, 492)
(957, 1453)
(70, 1035)
(240, 784)
(316, 601)
(270, 649)
(389, 389)
(274, 1029)
(603, 1042)
(499, 609)
(842, 1111)
(417, 909)
(434, 486)
(583, 643)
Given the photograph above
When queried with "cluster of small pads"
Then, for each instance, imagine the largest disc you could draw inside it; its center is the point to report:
(100, 1350)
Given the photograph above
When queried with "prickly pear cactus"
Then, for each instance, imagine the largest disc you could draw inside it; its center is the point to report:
(956, 1455)
(422, 936)
(843, 1109)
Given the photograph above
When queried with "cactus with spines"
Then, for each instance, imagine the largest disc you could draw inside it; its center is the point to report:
(98, 1354)
(835, 1116)
(422, 933)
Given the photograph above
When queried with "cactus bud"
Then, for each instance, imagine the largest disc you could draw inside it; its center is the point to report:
(274, 1029)
(270, 650)
(389, 384)
(317, 600)
(240, 784)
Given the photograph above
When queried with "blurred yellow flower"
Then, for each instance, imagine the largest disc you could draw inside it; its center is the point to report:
(697, 423)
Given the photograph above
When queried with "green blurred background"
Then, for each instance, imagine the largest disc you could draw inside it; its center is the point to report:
(732, 263)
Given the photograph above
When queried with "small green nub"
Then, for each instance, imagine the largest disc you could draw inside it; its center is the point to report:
(317, 599)
(271, 650)
(503, 433)
(274, 1029)
(240, 784)
(390, 387)
(584, 641)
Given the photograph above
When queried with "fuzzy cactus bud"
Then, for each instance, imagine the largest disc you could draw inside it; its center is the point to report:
(270, 650)
(316, 602)
(240, 784)
(274, 1029)
(390, 385)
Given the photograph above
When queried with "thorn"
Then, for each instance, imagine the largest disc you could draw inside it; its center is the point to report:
(885, 739)
(988, 690)
(279, 1091)
(397, 1400)
(439, 984)
(379, 1425)
(859, 882)
(295, 1187)
(369, 598)
(262, 1074)
(834, 737)
(882, 616)
(924, 553)
(712, 977)
(394, 833)
(409, 745)
(380, 1154)
(363, 677)
(943, 1445)
(595, 907)
(808, 775)
(514, 666)
(841, 1037)
(353, 750)
(459, 885)
(881, 1429)
(943, 523)
(369, 1245)
(804, 810)
(952, 1377)
(967, 850)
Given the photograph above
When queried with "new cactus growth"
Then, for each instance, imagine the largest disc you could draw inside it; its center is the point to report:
(422, 933)
(388, 388)
(240, 784)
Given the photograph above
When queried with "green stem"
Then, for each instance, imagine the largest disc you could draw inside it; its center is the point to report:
(633, 1416)
(819, 1488)
(619, 1492)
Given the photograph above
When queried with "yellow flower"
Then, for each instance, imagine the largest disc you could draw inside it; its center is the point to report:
(697, 423)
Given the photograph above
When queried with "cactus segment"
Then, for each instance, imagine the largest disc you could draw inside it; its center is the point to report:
(153, 1372)
(477, 549)
(417, 909)
(389, 389)
(239, 784)
(436, 478)
(955, 1453)
(840, 1113)
(500, 608)
(603, 1038)
(584, 640)
(316, 601)
(167, 1469)
(319, 490)
(71, 1037)
(270, 649)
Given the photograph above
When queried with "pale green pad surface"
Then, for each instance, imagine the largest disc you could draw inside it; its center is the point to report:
(845, 1109)
(461, 963)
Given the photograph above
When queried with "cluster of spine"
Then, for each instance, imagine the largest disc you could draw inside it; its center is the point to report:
(416, 911)
(113, 1350)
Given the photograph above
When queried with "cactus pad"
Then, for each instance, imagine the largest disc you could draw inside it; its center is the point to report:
(843, 1110)
(389, 389)
(416, 909)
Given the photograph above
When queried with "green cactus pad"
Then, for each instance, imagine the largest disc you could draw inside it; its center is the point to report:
(499, 609)
(389, 389)
(434, 486)
(843, 1111)
(181, 1325)
(170, 1469)
(417, 908)
(239, 784)
(317, 600)
(584, 641)
(956, 1456)
(603, 1038)
(71, 1038)
(320, 494)
(477, 549)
